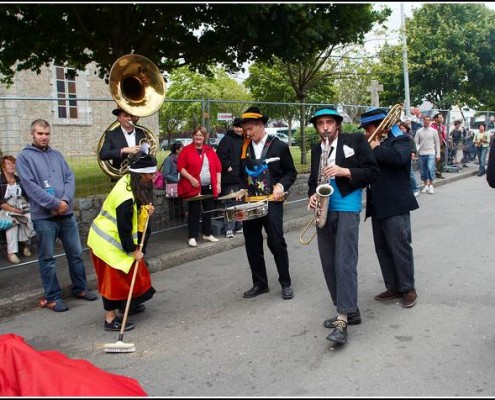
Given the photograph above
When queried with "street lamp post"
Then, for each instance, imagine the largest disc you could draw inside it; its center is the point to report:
(404, 60)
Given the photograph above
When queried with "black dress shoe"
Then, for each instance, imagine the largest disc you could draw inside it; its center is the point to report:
(339, 333)
(353, 318)
(287, 293)
(134, 310)
(255, 291)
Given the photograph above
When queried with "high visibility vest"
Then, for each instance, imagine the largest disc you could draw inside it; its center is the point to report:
(103, 236)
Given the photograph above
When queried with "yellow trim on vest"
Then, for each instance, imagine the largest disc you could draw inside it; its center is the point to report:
(103, 237)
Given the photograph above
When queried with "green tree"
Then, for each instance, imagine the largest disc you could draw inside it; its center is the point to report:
(451, 57)
(272, 83)
(355, 74)
(183, 107)
(172, 34)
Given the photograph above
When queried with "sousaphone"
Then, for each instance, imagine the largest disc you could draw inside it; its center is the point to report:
(138, 87)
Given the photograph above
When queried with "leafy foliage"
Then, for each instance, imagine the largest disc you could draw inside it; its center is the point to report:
(184, 99)
(172, 34)
(450, 54)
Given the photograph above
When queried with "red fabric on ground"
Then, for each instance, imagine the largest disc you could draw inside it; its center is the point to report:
(25, 371)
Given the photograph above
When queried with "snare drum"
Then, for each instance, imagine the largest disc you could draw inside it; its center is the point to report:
(247, 211)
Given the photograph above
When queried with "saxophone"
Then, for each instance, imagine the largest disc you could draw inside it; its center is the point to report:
(323, 192)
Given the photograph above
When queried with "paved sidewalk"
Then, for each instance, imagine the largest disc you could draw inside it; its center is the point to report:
(200, 338)
(20, 286)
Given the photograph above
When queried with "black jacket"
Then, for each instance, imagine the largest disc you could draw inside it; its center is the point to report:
(391, 193)
(282, 171)
(229, 153)
(362, 164)
(114, 141)
(490, 169)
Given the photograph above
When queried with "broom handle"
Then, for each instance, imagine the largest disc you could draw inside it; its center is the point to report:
(133, 281)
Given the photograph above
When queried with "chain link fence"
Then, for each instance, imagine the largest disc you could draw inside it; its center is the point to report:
(79, 140)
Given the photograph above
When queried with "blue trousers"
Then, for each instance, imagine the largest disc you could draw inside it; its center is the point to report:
(47, 231)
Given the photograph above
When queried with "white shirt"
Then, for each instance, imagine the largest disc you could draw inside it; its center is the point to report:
(331, 159)
(130, 137)
(258, 148)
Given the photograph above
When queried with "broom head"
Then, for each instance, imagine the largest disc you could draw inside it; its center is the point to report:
(119, 347)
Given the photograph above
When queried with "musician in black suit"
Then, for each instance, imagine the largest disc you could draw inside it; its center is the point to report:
(122, 141)
(267, 168)
(348, 165)
(389, 201)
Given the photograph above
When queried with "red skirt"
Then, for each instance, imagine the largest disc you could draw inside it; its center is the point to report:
(114, 284)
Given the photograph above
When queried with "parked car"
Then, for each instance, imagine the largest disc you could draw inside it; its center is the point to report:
(184, 141)
(214, 142)
(284, 138)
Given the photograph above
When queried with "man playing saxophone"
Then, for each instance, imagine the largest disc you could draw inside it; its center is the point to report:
(389, 201)
(349, 168)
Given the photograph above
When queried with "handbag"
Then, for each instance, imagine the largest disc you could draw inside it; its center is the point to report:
(6, 221)
(171, 190)
(158, 180)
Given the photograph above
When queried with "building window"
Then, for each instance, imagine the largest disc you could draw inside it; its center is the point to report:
(66, 93)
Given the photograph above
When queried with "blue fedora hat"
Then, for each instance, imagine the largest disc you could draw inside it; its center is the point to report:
(327, 110)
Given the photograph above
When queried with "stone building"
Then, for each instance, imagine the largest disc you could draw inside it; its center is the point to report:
(79, 110)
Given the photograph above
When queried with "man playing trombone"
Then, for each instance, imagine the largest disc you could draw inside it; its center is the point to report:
(349, 166)
(389, 201)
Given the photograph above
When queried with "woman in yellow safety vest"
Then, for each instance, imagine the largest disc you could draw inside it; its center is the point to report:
(114, 239)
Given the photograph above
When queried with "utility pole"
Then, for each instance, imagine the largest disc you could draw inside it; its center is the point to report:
(404, 60)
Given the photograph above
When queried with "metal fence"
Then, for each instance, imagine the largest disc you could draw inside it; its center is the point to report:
(78, 138)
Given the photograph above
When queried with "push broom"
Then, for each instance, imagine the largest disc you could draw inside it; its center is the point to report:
(119, 346)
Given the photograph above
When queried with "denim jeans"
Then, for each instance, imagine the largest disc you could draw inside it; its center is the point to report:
(412, 179)
(427, 167)
(481, 153)
(47, 231)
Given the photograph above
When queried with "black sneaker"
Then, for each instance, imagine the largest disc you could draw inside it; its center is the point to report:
(353, 318)
(339, 333)
(116, 325)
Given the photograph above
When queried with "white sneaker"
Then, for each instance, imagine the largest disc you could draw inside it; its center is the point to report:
(430, 190)
(229, 234)
(210, 238)
(425, 188)
(416, 193)
(192, 242)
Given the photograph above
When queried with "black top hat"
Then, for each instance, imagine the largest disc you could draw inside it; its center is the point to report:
(327, 110)
(372, 115)
(117, 111)
(253, 113)
(237, 122)
(146, 164)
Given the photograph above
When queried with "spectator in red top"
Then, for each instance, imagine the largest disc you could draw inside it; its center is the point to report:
(200, 170)
(442, 135)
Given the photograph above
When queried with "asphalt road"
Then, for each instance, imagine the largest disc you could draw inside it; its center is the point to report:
(200, 338)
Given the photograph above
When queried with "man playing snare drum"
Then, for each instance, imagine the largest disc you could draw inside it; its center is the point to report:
(267, 170)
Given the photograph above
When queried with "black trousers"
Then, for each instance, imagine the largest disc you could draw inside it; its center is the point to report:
(253, 242)
(196, 208)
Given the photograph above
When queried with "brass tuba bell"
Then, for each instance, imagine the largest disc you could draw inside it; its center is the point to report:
(138, 87)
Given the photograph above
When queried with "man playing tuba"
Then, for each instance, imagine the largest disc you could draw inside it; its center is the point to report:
(122, 141)
(349, 168)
